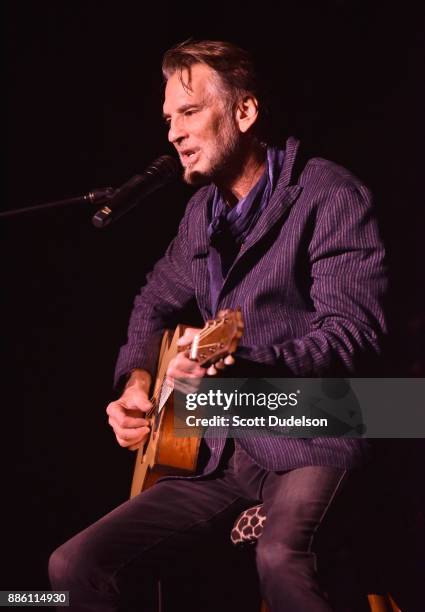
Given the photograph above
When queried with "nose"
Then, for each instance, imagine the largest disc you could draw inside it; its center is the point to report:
(176, 131)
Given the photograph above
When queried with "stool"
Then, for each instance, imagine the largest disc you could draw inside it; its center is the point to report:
(248, 527)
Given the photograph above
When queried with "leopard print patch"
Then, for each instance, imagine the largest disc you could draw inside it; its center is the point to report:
(248, 526)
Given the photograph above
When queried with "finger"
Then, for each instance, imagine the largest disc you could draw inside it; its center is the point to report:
(188, 336)
(176, 373)
(128, 445)
(128, 422)
(128, 407)
(220, 365)
(119, 411)
(136, 401)
(131, 436)
(183, 367)
(133, 416)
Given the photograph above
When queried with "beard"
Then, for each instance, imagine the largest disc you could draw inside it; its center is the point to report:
(224, 161)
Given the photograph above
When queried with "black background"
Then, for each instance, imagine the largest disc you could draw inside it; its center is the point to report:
(85, 100)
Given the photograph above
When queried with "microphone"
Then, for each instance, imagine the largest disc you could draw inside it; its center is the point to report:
(161, 172)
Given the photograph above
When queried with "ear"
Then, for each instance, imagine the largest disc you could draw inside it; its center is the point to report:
(246, 113)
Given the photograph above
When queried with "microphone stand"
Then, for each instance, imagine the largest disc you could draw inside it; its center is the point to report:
(97, 197)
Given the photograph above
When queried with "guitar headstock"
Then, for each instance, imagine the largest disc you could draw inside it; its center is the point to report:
(218, 339)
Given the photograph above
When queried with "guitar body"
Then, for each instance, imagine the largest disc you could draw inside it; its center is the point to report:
(164, 454)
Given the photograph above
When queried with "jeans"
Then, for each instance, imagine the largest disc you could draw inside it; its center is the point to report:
(164, 524)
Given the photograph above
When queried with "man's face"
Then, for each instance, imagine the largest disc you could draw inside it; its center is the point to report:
(201, 128)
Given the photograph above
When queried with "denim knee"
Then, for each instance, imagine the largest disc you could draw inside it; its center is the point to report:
(58, 567)
(281, 561)
(72, 565)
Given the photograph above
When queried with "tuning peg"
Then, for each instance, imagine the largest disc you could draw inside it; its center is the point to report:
(229, 360)
(211, 371)
(220, 365)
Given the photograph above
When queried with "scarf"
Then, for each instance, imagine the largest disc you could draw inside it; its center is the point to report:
(229, 227)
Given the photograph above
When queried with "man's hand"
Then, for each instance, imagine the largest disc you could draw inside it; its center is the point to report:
(127, 414)
(181, 366)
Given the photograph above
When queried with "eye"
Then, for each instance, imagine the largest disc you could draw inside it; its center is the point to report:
(189, 112)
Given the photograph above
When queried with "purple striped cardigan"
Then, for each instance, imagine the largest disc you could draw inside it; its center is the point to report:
(310, 279)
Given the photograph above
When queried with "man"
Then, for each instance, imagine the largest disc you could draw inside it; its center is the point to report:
(297, 247)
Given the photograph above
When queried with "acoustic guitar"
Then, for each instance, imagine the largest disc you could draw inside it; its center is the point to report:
(163, 453)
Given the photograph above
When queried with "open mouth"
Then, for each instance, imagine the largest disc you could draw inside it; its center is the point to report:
(188, 157)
